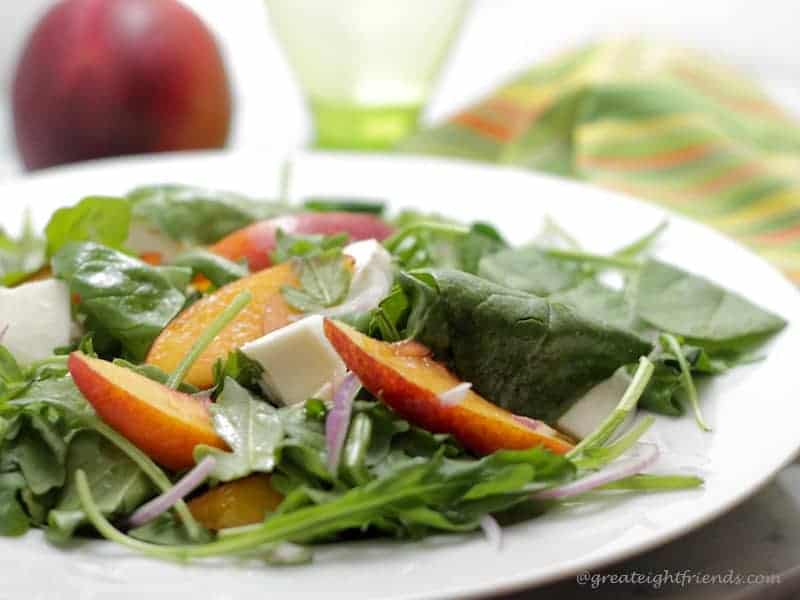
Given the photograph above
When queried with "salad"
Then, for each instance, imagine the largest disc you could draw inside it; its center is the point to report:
(192, 373)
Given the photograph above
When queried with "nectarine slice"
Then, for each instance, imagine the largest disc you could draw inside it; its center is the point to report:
(257, 241)
(409, 382)
(163, 423)
(177, 338)
(236, 503)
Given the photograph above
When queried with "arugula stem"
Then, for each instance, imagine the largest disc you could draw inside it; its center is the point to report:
(616, 449)
(627, 404)
(636, 247)
(686, 376)
(646, 481)
(303, 523)
(217, 325)
(553, 226)
(618, 262)
(152, 470)
(393, 241)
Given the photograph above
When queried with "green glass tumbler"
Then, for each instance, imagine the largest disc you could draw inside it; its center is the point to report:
(366, 67)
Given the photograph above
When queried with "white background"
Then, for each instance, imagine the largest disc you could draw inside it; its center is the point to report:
(499, 38)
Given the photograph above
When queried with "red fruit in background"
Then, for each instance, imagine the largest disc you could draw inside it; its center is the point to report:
(111, 77)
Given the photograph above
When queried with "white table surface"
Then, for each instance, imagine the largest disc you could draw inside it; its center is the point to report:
(500, 37)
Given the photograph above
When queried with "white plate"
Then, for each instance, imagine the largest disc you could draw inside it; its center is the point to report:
(754, 410)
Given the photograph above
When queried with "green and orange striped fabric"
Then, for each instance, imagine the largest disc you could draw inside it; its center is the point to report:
(658, 122)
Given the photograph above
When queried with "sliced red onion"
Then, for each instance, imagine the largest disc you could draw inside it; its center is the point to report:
(531, 424)
(338, 419)
(187, 484)
(647, 455)
(492, 531)
(455, 395)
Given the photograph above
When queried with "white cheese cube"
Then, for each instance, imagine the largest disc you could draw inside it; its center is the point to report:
(38, 318)
(592, 408)
(298, 360)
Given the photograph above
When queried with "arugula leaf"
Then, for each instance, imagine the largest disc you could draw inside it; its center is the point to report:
(100, 219)
(526, 354)
(324, 282)
(305, 246)
(19, 257)
(680, 303)
(252, 428)
(38, 451)
(118, 485)
(219, 270)
(198, 216)
(374, 207)
(121, 296)
(13, 519)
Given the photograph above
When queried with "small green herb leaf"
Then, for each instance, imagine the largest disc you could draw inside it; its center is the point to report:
(324, 282)
(306, 246)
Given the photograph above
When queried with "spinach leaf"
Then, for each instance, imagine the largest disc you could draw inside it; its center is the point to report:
(610, 307)
(19, 257)
(219, 270)
(117, 484)
(526, 354)
(305, 246)
(121, 296)
(531, 270)
(678, 302)
(324, 282)
(252, 428)
(104, 220)
(198, 216)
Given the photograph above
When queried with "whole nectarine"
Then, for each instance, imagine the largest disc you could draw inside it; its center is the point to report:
(110, 77)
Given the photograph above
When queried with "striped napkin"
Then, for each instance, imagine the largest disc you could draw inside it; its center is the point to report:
(658, 122)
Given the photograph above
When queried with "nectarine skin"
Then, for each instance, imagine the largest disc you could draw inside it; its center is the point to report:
(236, 503)
(267, 305)
(257, 241)
(163, 423)
(111, 77)
(409, 381)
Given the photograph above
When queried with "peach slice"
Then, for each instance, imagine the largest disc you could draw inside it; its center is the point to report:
(164, 423)
(177, 338)
(234, 504)
(410, 381)
(255, 242)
